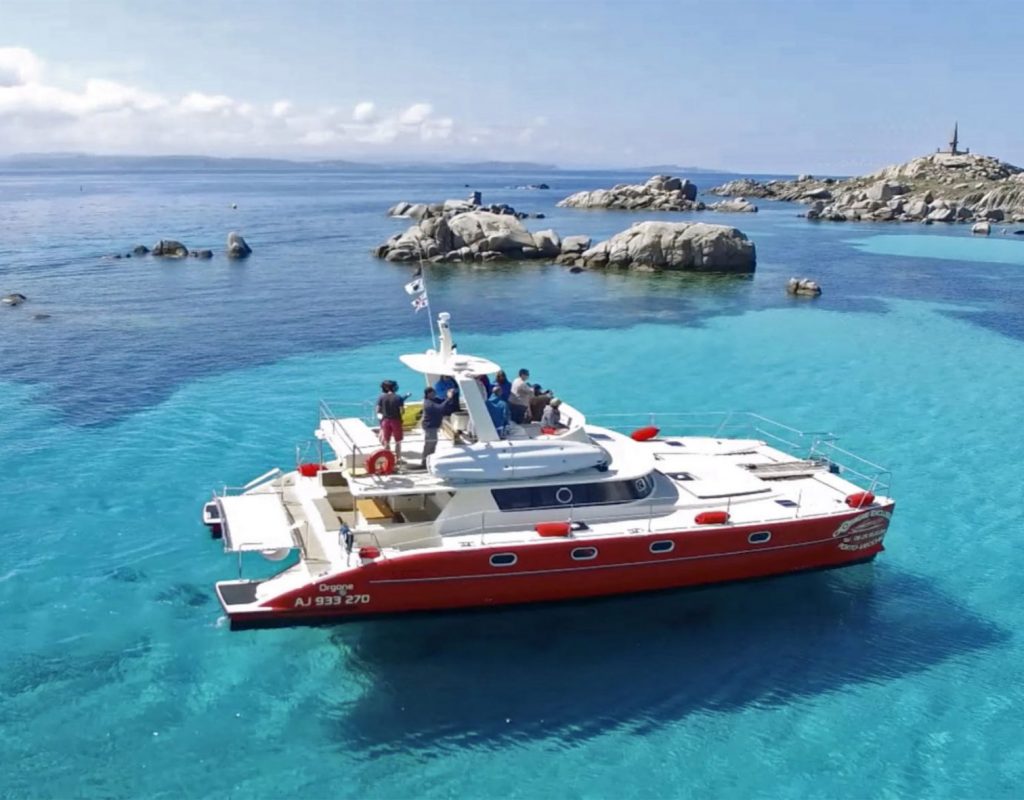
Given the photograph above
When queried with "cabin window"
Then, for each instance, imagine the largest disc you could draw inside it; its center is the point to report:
(579, 494)
(503, 559)
(584, 553)
(664, 546)
(760, 537)
(680, 476)
(786, 503)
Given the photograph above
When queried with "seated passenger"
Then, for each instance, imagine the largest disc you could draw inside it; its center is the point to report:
(502, 382)
(499, 411)
(444, 383)
(519, 400)
(552, 416)
(539, 400)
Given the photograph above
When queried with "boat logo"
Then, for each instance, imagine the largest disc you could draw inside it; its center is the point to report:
(863, 531)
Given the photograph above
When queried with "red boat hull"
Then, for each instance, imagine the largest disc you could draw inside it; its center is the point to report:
(546, 571)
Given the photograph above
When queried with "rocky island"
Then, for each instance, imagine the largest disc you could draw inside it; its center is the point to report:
(461, 232)
(951, 185)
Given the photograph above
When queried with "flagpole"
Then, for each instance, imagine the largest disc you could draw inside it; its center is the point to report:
(430, 314)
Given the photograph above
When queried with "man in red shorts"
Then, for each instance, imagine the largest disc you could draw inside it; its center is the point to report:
(389, 410)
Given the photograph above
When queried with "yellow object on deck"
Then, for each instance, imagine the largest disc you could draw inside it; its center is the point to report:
(373, 509)
(411, 413)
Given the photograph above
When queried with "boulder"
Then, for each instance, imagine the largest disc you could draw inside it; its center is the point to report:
(169, 248)
(803, 287)
(201, 254)
(984, 228)
(575, 244)
(942, 214)
(237, 246)
(13, 299)
(140, 250)
(744, 187)
(736, 205)
(399, 209)
(548, 243)
(675, 246)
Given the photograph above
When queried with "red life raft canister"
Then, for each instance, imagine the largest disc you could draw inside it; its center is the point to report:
(644, 434)
(553, 528)
(310, 470)
(860, 499)
(712, 518)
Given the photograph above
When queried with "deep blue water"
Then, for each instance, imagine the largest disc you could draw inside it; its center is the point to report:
(151, 383)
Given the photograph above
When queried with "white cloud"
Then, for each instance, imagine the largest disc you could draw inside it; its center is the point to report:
(38, 112)
(18, 66)
(205, 103)
(364, 112)
(416, 114)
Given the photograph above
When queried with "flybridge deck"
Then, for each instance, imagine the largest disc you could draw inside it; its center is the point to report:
(531, 513)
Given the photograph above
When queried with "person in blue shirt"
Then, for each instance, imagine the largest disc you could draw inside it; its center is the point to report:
(435, 409)
(497, 407)
(503, 383)
(444, 383)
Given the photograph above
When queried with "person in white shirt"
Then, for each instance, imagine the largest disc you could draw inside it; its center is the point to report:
(519, 399)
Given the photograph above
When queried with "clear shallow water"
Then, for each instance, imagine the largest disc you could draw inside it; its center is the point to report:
(151, 384)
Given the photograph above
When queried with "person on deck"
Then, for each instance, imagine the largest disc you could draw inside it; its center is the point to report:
(502, 382)
(552, 416)
(522, 393)
(499, 411)
(444, 384)
(435, 409)
(389, 411)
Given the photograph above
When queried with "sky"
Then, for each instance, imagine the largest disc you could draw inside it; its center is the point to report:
(771, 86)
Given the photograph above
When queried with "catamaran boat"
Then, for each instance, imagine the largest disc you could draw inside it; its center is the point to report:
(533, 514)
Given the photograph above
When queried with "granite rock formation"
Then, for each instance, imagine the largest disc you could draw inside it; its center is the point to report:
(939, 187)
(659, 193)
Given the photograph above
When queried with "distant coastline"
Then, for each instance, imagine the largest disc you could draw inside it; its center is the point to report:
(96, 162)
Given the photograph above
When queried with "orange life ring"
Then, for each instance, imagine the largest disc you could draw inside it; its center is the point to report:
(380, 462)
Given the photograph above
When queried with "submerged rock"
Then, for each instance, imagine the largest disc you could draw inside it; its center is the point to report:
(803, 287)
(140, 250)
(13, 299)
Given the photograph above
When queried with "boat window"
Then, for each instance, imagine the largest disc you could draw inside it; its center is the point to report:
(580, 494)
(584, 553)
(680, 476)
(786, 503)
(503, 559)
(760, 537)
(664, 546)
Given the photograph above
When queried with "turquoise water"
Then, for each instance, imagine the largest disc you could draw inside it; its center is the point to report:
(150, 385)
(1002, 248)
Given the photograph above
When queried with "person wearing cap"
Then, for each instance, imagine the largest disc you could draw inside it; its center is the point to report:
(552, 416)
(519, 401)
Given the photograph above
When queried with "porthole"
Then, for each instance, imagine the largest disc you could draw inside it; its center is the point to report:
(663, 546)
(564, 495)
(503, 559)
(584, 553)
(759, 537)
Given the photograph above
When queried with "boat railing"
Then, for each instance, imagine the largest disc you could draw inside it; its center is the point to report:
(363, 411)
(809, 445)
